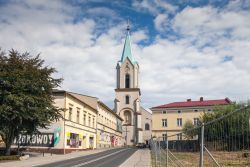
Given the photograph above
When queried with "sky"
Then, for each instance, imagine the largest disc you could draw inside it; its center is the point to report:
(185, 48)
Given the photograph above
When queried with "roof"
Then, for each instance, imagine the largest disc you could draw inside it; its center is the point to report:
(190, 103)
(111, 111)
(91, 101)
(127, 50)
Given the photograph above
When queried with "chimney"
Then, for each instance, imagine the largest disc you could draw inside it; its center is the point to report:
(188, 100)
(201, 98)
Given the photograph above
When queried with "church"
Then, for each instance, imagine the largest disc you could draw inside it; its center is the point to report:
(136, 120)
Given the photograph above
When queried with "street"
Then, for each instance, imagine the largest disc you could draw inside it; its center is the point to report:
(110, 158)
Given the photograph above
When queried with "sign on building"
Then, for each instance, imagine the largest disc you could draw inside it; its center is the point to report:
(39, 140)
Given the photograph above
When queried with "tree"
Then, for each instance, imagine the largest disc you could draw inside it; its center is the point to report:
(232, 128)
(26, 101)
(189, 130)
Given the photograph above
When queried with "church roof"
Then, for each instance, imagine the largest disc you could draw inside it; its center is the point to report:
(127, 50)
(199, 103)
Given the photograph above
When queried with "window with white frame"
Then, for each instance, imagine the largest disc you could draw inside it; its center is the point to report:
(196, 121)
(179, 136)
(89, 121)
(77, 116)
(84, 119)
(164, 122)
(70, 113)
(179, 121)
(164, 136)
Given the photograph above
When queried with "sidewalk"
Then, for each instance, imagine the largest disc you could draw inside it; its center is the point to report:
(141, 158)
(38, 158)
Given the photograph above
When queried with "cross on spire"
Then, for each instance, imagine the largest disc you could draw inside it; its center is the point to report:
(128, 26)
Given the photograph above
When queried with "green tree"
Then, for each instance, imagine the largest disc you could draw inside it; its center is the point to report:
(230, 130)
(26, 101)
(189, 130)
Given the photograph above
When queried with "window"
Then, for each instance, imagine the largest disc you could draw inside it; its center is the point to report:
(164, 123)
(84, 119)
(147, 127)
(127, 99)
(127, 81)
(93, 122)
(179, 111)
(164, 112)
(127, 117)
(89, 121)
(179, 136)
(70, 113)
(73, 140)
(164, 136)
(179, 121)
(209, 110)
(78, 116)
(195, 110)
(196, 121)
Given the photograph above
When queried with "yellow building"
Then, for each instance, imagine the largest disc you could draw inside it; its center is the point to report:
(109, 127)
(168, 119)
(77, 131)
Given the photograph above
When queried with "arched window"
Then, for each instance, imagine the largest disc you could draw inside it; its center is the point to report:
(127, 99)
(127, 81)
(147, 127)
(127, 117)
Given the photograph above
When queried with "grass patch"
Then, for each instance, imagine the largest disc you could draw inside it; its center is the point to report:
(191, 159)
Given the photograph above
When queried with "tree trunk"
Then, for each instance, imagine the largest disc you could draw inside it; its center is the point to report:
(7, 149)
(9, 140)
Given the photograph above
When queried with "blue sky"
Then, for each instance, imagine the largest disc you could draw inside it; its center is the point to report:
(185, 49)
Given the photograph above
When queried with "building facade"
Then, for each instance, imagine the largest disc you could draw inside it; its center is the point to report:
(77, 131)
(168, 119)
(109, 127)
(146, 125)
(87, 123)
(127, 96)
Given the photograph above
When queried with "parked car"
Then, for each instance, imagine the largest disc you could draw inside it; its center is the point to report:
(140, 145)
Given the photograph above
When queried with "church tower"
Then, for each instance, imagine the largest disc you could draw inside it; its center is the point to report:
(127, 100)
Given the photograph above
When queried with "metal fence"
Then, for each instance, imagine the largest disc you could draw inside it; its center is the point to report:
(224, 141)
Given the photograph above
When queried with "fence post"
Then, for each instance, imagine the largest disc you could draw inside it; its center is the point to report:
(167, 150)
(160, 152)
(202, 145)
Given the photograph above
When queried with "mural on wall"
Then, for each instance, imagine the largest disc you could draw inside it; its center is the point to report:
(57, 132)
(40, 140)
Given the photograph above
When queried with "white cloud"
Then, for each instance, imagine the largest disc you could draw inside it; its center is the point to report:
(154, 7)
(161, 22)
(188, 67)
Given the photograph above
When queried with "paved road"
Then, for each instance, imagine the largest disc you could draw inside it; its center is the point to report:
(110, 158)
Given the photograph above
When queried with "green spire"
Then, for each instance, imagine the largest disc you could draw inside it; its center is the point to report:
(127, 51)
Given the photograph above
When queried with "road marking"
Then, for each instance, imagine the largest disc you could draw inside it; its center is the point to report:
(88, 162)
